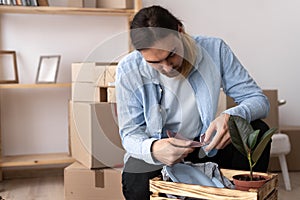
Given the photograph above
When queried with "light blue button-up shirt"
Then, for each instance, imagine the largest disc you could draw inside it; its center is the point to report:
(139, 94)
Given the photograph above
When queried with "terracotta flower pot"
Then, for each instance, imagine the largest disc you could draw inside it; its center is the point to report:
(242, 181)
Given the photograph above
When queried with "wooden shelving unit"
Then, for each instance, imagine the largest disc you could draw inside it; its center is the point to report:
(52, 158)
(35, 160)
(65, 10)
(20, 86)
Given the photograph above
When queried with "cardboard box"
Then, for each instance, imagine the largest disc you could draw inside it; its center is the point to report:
(115, 3)
(101, 74)
(222, 104)
(110, 74)
(94, 135)
(107, 94)
(81, 183)
(103, 94)
(272, 119)
(87, 92)
(292, 159)
(43, 2)
(89, 3)
(75, 3)
(109, 77)
(111, 95)
(88, 73)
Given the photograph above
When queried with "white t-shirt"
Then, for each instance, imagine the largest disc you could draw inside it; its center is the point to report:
(180, 109)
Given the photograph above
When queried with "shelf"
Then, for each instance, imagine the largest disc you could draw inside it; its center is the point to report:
(51, 158)
(65, 10)
(34, 160)
(40, 85)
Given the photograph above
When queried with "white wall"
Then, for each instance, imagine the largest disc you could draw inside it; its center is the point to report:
(262, 33)
(36, 120)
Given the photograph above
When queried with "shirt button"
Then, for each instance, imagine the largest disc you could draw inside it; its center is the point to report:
(160, 90)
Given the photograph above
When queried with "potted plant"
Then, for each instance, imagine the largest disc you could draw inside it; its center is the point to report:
(246, 141)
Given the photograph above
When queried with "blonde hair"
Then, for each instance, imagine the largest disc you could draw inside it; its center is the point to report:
(190, 54)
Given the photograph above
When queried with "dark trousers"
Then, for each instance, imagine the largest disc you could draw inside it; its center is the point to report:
(136, 173)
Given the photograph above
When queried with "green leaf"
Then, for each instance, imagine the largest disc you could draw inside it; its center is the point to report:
(244, 127)
(252, 139)
(235, 135)
(262, 144)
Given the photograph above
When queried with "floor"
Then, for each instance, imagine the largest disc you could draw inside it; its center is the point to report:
(47, 188)
(294, 194)
(44, 188)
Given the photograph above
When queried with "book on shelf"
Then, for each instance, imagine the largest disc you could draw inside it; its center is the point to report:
(33, 2)
(42, 3)
(24, 2)
(6, 2)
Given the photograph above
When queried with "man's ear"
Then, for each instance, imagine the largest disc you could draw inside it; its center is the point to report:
(181, 29)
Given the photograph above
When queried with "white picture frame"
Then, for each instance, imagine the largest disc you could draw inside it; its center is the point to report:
(48, 69)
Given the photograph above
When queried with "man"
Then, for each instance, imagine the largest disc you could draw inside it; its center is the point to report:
(167, 96)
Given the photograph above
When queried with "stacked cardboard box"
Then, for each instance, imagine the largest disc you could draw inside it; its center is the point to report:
(82, 183)
(122, 4)
(91, 82)
(94, 139)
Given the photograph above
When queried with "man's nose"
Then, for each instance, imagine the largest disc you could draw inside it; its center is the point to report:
(167, 66)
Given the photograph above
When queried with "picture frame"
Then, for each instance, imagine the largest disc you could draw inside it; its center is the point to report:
(48, 69)
(8, 67)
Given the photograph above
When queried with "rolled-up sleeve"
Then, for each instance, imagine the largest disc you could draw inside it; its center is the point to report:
(237, 83)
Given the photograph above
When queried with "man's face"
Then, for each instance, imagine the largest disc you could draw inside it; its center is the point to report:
(166, 55)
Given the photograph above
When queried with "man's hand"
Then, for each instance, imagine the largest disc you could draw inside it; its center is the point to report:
(222, 137)
(171, 150)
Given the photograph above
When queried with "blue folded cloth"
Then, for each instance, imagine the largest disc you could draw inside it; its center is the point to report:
(205, 174)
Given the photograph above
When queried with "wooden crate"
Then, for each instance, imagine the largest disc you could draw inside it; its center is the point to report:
(269, 191)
